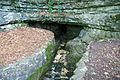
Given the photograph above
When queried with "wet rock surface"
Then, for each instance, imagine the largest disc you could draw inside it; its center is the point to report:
(100, 62)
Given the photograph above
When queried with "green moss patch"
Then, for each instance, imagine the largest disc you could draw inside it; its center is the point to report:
(50, 52)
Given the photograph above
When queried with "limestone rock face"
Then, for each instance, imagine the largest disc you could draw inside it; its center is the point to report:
(100, 62)
(25, 53)
(93, 13)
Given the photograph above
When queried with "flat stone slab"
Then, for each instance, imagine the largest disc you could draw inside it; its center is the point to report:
(22, 51)
(20, 43)
(100, 62)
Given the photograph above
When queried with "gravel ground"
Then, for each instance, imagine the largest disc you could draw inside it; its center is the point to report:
(20, 43)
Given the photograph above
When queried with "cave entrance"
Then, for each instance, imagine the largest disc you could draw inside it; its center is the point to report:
(63, 33)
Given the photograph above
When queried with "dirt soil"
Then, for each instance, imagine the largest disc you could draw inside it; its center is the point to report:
(20, 43)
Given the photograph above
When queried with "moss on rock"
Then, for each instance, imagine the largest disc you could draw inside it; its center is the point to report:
(50, 52)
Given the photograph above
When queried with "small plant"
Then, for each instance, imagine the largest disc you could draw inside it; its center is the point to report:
(59, 7)
(50, 5)
(15, 4)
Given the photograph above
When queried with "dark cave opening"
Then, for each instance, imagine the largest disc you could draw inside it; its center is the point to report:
(62, 32)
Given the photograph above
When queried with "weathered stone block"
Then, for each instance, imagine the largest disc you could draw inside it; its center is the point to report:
(78, 45)
(26, 53)
(100, 62)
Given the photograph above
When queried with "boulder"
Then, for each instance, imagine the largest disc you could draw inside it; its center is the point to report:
(25, 53)
(101, 61)
(78, 45)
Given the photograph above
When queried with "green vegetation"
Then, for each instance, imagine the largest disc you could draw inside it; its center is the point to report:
(35, 4)
(59, 7)
(18, 25)
(38, 74)
(50, 5)
(72, 60)
(116, 17)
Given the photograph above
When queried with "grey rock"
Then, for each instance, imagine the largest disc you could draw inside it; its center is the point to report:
(81, 69)
(23, 69)
(79, 44)
(94, 13)
(100, 62)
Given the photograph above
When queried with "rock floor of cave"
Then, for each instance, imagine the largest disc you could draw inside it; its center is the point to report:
(58, 70)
